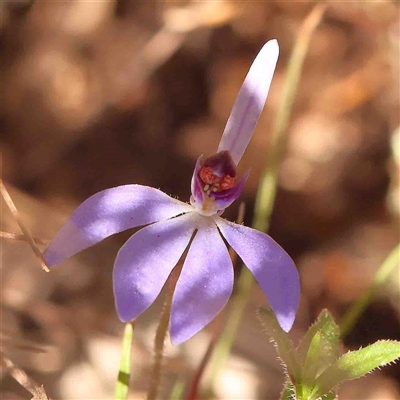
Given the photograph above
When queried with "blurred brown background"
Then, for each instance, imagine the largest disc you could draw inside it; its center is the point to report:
(98, 94)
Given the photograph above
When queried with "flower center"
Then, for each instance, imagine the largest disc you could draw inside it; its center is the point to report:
(214, 183)
(218, 173)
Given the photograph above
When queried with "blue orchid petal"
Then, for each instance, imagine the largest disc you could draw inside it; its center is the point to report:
(108, 212)
(204, 285)
(250, 102)
(271, 266)
(145, 261)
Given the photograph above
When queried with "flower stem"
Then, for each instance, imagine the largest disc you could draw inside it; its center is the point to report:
(161, 334)
(122, 385)
(267, 188)
(381, 276)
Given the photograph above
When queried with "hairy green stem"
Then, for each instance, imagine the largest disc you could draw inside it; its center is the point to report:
(159, 341)
(267, 188)
(381, 276)
(124, 374)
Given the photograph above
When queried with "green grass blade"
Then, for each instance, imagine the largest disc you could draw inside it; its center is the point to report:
(124, 373)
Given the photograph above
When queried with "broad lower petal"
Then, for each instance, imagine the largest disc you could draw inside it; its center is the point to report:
(204, 285)
(271, 266)
(108, 212)
(145, 261)
(250, 102)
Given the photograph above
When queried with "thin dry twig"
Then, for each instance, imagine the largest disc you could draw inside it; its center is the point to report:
(8, 339)
(23, 379)
(18, 236)
(24, 229)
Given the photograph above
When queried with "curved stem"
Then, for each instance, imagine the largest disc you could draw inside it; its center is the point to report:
(385, 270)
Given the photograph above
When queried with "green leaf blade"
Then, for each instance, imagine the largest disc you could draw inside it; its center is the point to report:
(356, 364)
(311, 366)
(359, 363)
(329, 331)
(284, 345)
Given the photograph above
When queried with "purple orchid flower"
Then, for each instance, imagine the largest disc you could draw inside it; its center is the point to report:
(145, 261)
